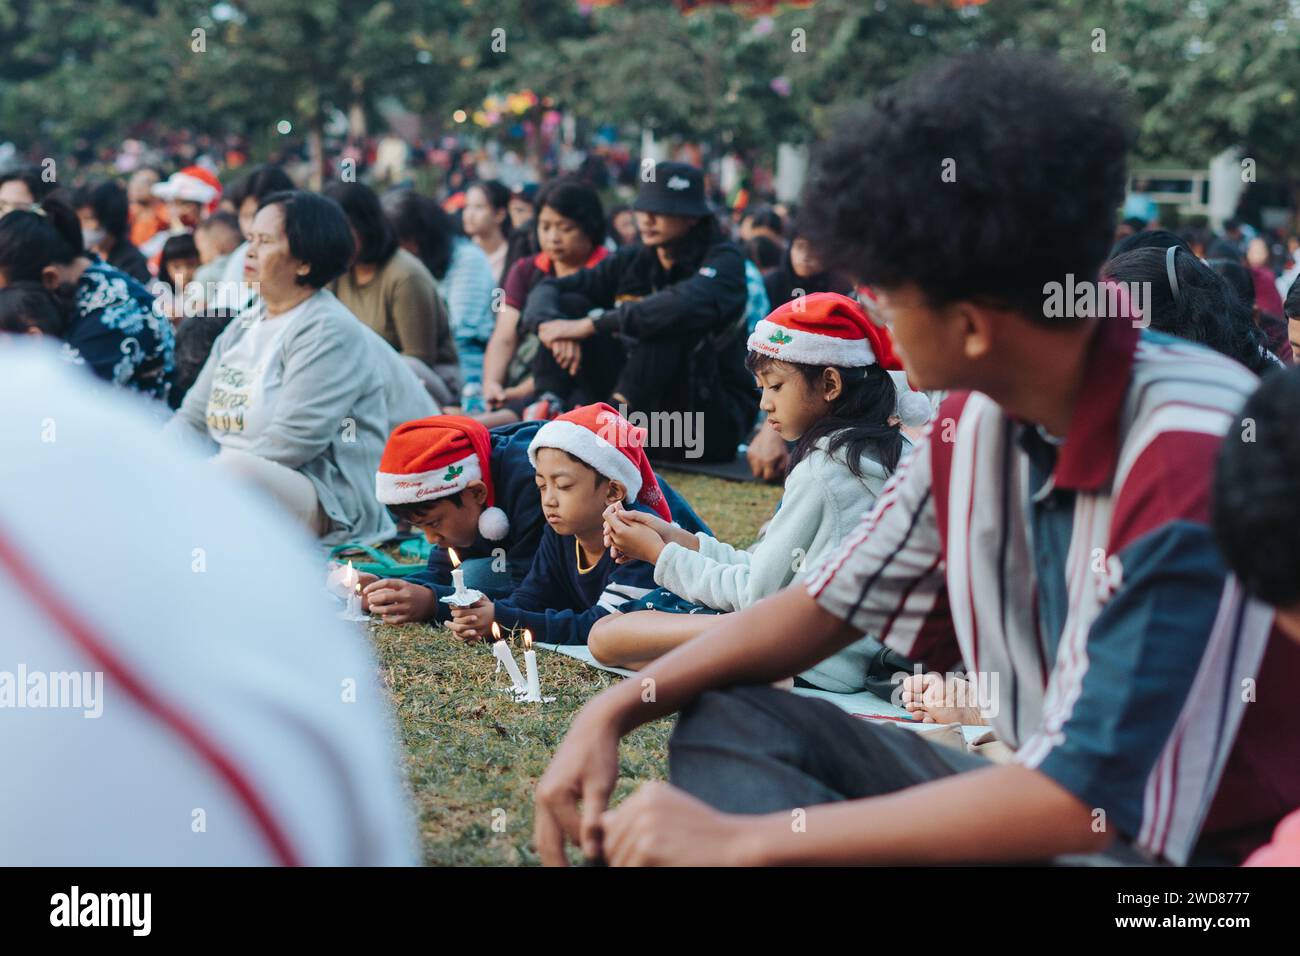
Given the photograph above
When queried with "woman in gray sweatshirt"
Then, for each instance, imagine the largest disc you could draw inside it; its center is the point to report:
(297, 394)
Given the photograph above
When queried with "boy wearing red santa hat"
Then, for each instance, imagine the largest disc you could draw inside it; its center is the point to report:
(586, 460)
(464, 487)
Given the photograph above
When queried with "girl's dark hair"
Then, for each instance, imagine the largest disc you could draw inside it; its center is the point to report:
(318, 234)
(29, 242)
(27, 305)
(419, 219)
(361, 205)
(1204, 310)
(574, 200)
(858, 421)
(177, 247)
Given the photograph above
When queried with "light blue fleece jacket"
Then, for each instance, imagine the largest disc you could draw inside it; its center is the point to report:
(823, 501)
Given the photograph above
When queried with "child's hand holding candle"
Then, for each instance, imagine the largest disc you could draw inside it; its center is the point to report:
(472, 623)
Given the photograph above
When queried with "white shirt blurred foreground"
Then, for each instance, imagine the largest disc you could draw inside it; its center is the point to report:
(237, 721)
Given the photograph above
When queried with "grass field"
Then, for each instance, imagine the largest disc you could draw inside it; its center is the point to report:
(473, 756)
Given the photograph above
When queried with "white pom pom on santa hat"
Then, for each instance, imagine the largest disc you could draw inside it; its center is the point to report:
(493, 524)
(914, 409)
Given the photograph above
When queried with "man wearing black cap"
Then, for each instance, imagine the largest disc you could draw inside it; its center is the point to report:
(676, 303)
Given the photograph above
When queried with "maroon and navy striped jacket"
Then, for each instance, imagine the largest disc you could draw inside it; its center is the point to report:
(1077, 580)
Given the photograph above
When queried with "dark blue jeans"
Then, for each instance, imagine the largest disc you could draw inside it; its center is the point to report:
(761, 750)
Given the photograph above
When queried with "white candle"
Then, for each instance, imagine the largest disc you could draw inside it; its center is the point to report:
(530, 665)
(352, 581)
(501, 651)
(457, 575)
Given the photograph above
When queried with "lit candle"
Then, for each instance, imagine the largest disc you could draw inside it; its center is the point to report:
(463, 596)
(501, 651)
(530, 665)
(352, 581)
(457, 575)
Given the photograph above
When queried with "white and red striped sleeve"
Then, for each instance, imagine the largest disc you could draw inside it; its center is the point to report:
(887, 577)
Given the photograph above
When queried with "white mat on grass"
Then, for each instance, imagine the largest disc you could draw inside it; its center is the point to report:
(862, 704)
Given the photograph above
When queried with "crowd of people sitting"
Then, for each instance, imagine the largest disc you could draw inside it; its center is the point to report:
(970, 486)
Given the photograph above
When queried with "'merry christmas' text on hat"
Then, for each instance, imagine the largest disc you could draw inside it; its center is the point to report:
(432, 458)
(608, 442)
(676, 189)
(826, 328)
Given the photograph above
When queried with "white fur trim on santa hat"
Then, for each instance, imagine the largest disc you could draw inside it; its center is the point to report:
(493, 524)
(183, 187)
(396, 489)
(586, 445)
(809, 348)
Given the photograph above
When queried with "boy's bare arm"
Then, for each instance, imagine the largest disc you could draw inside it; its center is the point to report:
(997, 814)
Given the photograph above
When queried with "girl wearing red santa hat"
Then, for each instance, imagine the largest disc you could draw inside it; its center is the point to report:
(586, 460)
(824, 370)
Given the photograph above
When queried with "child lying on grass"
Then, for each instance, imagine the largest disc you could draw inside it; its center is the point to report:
(465, 488)
(822, 366)
(587, 460)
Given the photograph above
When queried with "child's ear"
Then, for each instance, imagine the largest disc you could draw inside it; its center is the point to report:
(615, 491)
(832, 384)
(477, 492)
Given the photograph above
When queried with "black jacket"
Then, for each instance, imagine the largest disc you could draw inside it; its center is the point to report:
(643, 300)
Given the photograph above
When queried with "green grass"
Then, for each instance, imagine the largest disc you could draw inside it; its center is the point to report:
(473, 756)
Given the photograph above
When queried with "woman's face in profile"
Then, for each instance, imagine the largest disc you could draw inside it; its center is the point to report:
(268, 261)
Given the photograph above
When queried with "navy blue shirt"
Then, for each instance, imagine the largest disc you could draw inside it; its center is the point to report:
(559, 600)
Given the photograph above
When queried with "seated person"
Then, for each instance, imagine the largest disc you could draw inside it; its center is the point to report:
(586, 460)
(1052, 539)
(842, 416)
(297, 395)
(570, 226)
(464, 487)
(1256, 516)
(108, 320)
(675, 305)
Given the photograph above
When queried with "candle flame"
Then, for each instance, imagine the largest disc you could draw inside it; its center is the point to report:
(496, 631)
(455, 558)
(528, 638)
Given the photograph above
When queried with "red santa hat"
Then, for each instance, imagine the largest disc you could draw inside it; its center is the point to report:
(608, 442)
(191, 184)
(824, 328)
(432, 458)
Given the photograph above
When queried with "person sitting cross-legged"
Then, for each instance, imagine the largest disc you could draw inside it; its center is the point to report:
(1051, 538)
